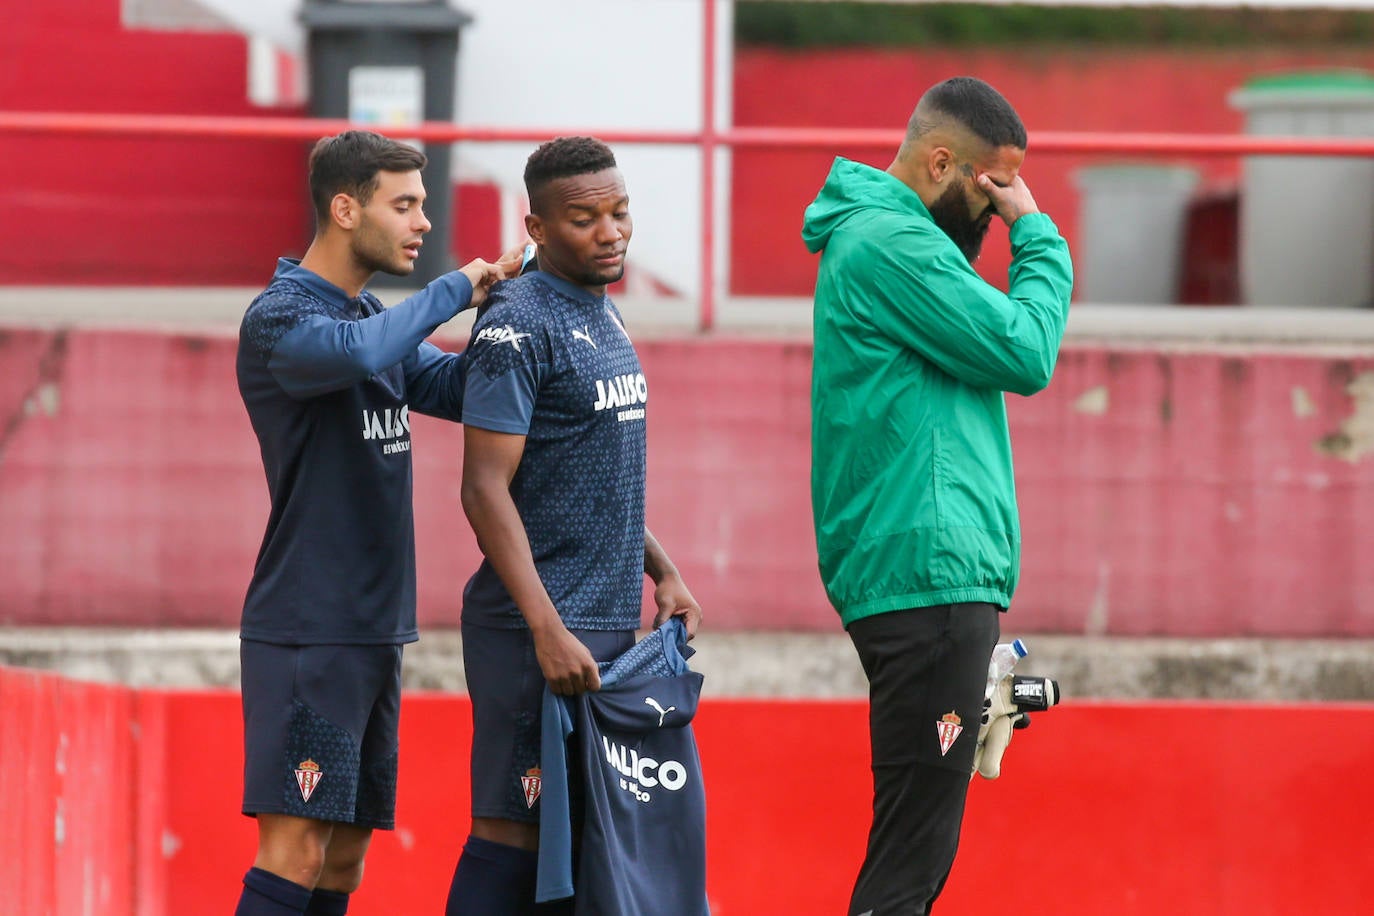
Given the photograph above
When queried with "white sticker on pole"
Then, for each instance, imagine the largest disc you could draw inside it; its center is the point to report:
(387, 97)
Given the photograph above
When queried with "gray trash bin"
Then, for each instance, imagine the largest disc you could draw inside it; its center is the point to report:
(1307, 222)
(390, 64)
(1131, 222)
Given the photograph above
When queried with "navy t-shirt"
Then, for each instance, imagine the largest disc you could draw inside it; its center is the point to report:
(552, 362)
(329, 382)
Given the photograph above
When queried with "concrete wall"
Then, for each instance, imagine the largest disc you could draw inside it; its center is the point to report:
(125, 802)
(1165, 491)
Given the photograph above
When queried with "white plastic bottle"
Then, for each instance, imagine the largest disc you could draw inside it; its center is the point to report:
(1005, 655)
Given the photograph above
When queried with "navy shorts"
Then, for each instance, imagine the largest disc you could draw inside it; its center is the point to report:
(320, 731)
(507, 691)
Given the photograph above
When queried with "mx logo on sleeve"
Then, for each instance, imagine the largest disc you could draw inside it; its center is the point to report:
(506, 334)
(950, 727)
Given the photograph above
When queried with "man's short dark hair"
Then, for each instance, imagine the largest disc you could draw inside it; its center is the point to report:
(349, 162)
(977, 106)
(564, 157)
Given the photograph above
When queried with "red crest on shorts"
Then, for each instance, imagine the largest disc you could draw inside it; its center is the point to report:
(949, 728)
(308, 776)
(532, 781)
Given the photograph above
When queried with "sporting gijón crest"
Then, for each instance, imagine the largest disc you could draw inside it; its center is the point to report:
(531, 781)
(308, 776)
(949, 727)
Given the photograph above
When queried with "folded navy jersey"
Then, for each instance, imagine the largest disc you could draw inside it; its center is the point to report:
(329, 382)
(643, 831)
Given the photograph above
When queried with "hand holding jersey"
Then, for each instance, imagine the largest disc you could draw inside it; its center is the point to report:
(675, 601)
(671, 596)
(565, 662)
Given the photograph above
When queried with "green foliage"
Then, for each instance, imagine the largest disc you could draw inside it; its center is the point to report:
(844, 24)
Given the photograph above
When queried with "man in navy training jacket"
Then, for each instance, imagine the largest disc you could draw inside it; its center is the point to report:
(329, 377)
(553, 484)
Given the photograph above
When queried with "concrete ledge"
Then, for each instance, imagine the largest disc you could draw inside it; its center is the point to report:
(790, 665)
(218, 310)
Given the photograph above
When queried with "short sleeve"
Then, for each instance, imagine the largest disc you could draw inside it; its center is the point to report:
(507, 356)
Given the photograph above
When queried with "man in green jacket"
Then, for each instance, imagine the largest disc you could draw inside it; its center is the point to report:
(912, 489)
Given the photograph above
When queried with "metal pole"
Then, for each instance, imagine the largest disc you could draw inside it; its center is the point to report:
(708, 168)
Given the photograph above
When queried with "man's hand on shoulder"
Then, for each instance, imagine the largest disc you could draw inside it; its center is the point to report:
(481, 275)
(1011, 202)
(511, 261)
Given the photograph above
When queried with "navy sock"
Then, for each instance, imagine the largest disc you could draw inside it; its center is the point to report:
(327, 903)
(493, 878)
(266, 894)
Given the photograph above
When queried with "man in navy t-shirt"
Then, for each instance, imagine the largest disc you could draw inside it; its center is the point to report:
(553, 485)
(329, 378)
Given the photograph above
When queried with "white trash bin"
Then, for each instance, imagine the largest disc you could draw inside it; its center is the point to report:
(1131, 223)
(1307, 222)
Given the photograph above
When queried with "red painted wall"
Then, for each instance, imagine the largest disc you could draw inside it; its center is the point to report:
(109, 210)
(1059, 89)
(1102, 808)
(192, 211)
(1182, 493)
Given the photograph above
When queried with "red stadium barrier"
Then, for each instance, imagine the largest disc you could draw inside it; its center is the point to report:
(70, 796)
(1197, 809)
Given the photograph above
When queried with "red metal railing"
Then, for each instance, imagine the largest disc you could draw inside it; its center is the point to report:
(707, 139)
(146, 125)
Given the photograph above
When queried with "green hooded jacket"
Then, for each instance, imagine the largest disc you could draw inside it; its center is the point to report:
(912, 490)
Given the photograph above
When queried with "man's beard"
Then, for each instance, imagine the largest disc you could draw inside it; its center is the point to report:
(950, 212)
(593, 277)
(374, 252)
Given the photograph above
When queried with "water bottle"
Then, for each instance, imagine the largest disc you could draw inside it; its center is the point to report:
(1005, 655)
